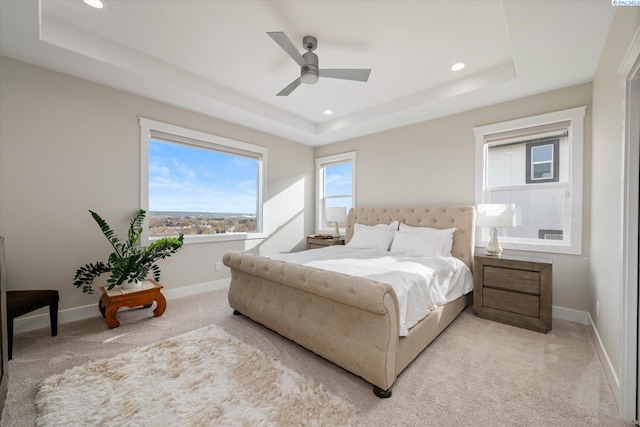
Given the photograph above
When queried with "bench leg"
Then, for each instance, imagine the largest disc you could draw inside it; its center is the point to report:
(10, 338)
(102, 304)
(162, 304)
(110, 315)
(382, 394)
(53, 316)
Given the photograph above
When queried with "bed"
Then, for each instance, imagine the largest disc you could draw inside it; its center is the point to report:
(351, 321)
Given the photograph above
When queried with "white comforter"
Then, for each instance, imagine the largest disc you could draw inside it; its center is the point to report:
(421, 284)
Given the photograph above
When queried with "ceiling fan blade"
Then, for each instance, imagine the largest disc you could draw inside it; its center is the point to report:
(361, 75)
(284, 42)
(287, 90)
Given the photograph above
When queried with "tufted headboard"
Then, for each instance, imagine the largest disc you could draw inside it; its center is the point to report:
(463, 218)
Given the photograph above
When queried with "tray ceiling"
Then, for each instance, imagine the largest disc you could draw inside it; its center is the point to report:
(214, 57)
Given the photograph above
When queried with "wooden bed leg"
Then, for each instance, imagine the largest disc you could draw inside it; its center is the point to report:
(236, 313)
(382, 394)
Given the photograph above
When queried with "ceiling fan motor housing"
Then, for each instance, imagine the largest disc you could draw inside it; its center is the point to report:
(309, 74)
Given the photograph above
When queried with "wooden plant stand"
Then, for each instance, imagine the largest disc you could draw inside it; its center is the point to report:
(112, 300)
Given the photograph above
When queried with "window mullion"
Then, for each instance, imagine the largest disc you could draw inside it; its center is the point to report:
(538, 186)
(339, 196)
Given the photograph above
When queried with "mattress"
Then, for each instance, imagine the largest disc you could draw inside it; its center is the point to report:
(420, 284)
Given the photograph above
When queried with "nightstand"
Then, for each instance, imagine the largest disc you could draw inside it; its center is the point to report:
(315, 243)
(513, 290)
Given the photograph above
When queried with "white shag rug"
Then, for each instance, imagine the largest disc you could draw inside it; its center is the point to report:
(202, 378)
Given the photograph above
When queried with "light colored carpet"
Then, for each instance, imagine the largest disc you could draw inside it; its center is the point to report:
(476, 373)
(203, 377)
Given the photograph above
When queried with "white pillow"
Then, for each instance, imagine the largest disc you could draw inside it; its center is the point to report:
(373, 236)
(423, 241)
(426, 230)
(390, 227)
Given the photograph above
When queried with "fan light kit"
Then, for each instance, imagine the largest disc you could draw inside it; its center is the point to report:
(308, 62)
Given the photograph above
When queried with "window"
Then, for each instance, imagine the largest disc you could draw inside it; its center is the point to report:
(543, 161)
(205, 186)
(335, 187)
(536, 163)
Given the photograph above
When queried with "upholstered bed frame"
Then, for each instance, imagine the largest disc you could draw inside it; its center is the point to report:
(350, 321)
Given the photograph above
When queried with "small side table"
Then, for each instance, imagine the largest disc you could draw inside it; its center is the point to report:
(514, 290)
(315, 242)
(112, 300)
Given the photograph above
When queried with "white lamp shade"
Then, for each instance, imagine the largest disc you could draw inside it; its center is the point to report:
(336, 214)
(496, 215)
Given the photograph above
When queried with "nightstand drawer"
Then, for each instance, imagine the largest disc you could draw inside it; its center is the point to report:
(317, 243)
(528, 305)
(513, 280)
(312, 245)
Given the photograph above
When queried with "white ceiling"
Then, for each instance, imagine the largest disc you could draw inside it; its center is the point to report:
(214, 57)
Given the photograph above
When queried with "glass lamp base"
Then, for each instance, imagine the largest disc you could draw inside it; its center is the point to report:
(494, 248)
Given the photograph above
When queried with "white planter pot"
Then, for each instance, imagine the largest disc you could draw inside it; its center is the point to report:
(131, 286)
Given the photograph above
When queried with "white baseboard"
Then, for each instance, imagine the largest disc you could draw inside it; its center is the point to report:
(570, 315)
(198, 288)
(584, 318)
(39, 321)
(614, 381)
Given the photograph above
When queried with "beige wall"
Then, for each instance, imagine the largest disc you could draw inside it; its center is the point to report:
(433, 163)
(605, 268)
(68, 145)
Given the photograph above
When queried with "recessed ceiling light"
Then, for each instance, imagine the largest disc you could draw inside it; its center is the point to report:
(328, 112)
(457, 67)
(94, 3)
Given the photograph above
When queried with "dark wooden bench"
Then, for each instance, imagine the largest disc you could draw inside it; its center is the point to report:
(23, 302)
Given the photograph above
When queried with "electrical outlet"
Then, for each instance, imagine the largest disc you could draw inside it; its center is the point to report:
(218, 266)
(597, 308)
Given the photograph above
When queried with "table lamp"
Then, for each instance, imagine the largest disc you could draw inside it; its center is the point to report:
(494, 216)
(336, 215)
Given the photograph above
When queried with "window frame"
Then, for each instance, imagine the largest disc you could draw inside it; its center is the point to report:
(321, 163)
(572, 243)
(198, 139)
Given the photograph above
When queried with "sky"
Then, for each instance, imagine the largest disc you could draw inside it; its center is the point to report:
(338, 183)
(191, 179)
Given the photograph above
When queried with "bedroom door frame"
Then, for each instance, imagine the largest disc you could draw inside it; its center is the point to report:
(629, 382)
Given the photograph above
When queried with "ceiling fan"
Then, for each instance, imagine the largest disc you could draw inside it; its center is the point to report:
(309, 70)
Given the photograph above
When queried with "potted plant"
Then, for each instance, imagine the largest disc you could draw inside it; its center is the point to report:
(129, 263)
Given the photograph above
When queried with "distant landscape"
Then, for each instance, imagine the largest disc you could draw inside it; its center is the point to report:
(172, 223)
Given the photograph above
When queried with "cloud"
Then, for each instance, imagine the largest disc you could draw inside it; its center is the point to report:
(338, 179)
(247, 187)
(156, 168)
(184, 169)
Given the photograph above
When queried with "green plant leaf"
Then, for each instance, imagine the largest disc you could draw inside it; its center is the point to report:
(156, 272)
(107, 231)
(135, 227)
(85, 275)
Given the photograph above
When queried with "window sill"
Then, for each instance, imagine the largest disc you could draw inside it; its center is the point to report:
(533, 247)
(222, 237)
